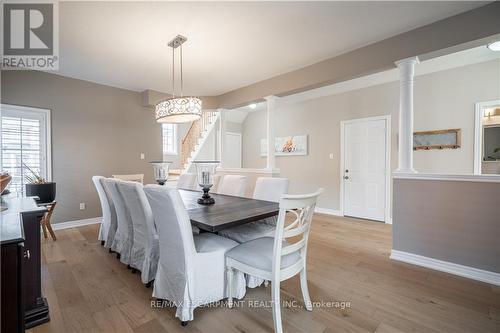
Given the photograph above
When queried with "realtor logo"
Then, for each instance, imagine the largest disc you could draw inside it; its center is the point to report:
(30, 36)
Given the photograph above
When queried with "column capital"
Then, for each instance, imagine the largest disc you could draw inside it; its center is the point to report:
(271, 98)
(407, 61)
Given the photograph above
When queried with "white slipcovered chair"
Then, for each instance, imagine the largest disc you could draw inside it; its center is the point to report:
(268, 189)
(216, 181)
(124, 236)
(108, 242)
(145, 249)
(191, 269)
(274, 258)
(139, 177)
(234, 185)
(187, 181)
(108, 211)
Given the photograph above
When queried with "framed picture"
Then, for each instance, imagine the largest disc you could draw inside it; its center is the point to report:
(286, 145)
(440, 139)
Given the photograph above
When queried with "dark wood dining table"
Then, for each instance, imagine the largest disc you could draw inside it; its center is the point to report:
(228, 211)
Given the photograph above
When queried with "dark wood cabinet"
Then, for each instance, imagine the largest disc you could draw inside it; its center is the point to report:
(35, 305)
(12, 307)
(22, 303)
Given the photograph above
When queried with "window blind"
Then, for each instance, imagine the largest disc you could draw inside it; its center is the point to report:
(21, 144)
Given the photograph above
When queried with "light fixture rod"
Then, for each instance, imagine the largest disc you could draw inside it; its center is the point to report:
(182, 83)
(173, 72)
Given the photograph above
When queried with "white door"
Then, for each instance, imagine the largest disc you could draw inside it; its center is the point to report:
(232, 156)
(364, 173)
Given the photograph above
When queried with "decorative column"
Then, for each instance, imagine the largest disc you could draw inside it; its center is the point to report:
(405, 152)
(222, 138)
(271, 104)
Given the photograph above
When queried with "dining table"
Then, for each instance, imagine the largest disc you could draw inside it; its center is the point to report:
(228, 211)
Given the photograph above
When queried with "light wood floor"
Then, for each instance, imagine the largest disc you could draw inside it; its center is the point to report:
(88, 290)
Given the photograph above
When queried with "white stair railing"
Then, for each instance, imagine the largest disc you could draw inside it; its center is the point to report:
(196, 136)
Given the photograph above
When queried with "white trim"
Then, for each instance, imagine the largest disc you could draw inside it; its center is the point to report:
(478, 133)
(46, 115)
(458, 178)
(327, 211)
(76, 223)
(387, 118)
(248, 170)
(448, 267)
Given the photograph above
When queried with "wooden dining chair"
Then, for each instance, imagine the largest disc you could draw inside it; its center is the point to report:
(278, 258)
(45, 221)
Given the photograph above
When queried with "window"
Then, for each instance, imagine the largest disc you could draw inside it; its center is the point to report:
(24, 141)
(169, 139)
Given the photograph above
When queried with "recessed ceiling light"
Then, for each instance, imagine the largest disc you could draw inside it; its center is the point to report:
(252, 106)
(495, 46)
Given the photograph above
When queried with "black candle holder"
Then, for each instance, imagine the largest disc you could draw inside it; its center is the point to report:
(206, 199)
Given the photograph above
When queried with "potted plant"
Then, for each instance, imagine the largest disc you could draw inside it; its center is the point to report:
(39, 187)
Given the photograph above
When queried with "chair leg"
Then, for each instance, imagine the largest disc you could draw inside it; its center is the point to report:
(44, 229)
(52, 234)
(275, 291)
(305, 289)
(230, 276)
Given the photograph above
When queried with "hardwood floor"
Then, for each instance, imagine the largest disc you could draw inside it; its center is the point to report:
(88, 290)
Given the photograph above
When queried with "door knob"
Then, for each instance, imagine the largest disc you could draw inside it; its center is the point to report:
(346, 177)
(27, 254)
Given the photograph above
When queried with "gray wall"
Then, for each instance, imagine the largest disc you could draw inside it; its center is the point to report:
(454, 221)
(96, 130)
(443, 100)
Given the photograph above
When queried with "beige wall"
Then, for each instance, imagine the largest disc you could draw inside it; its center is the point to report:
(96, 130)
(442, 100)
(463, 229)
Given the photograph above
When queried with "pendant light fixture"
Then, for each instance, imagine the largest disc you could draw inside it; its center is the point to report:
(180, 109)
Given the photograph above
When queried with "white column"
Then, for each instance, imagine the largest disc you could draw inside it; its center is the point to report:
(271, 104)
(405, 153)
(222, 141)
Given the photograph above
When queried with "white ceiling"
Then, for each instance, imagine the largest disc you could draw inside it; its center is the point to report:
(230, 44)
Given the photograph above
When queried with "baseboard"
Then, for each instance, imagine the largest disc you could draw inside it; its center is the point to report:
(76, 223)
(448, 267)
(327, 211)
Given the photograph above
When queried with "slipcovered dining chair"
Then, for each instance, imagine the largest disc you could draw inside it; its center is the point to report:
(139, 177)
(108, 242)
(145, 250)
(124, 236)
(187, 181)
(216, 181)
(268, 189)
(191, 269)
(234, 185)
(275, 258)
(105, 207)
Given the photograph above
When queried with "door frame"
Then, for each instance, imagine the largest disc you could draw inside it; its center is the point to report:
(241, 145)
(478, 132)
(387, 204)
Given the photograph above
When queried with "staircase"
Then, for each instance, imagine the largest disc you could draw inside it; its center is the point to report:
(196, 136)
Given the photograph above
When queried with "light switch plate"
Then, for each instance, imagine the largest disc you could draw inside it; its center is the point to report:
(331, 156)
(143, 156)
(82, 205)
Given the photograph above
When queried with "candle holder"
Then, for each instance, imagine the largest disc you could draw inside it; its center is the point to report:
(205, 171)
(160, 169)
